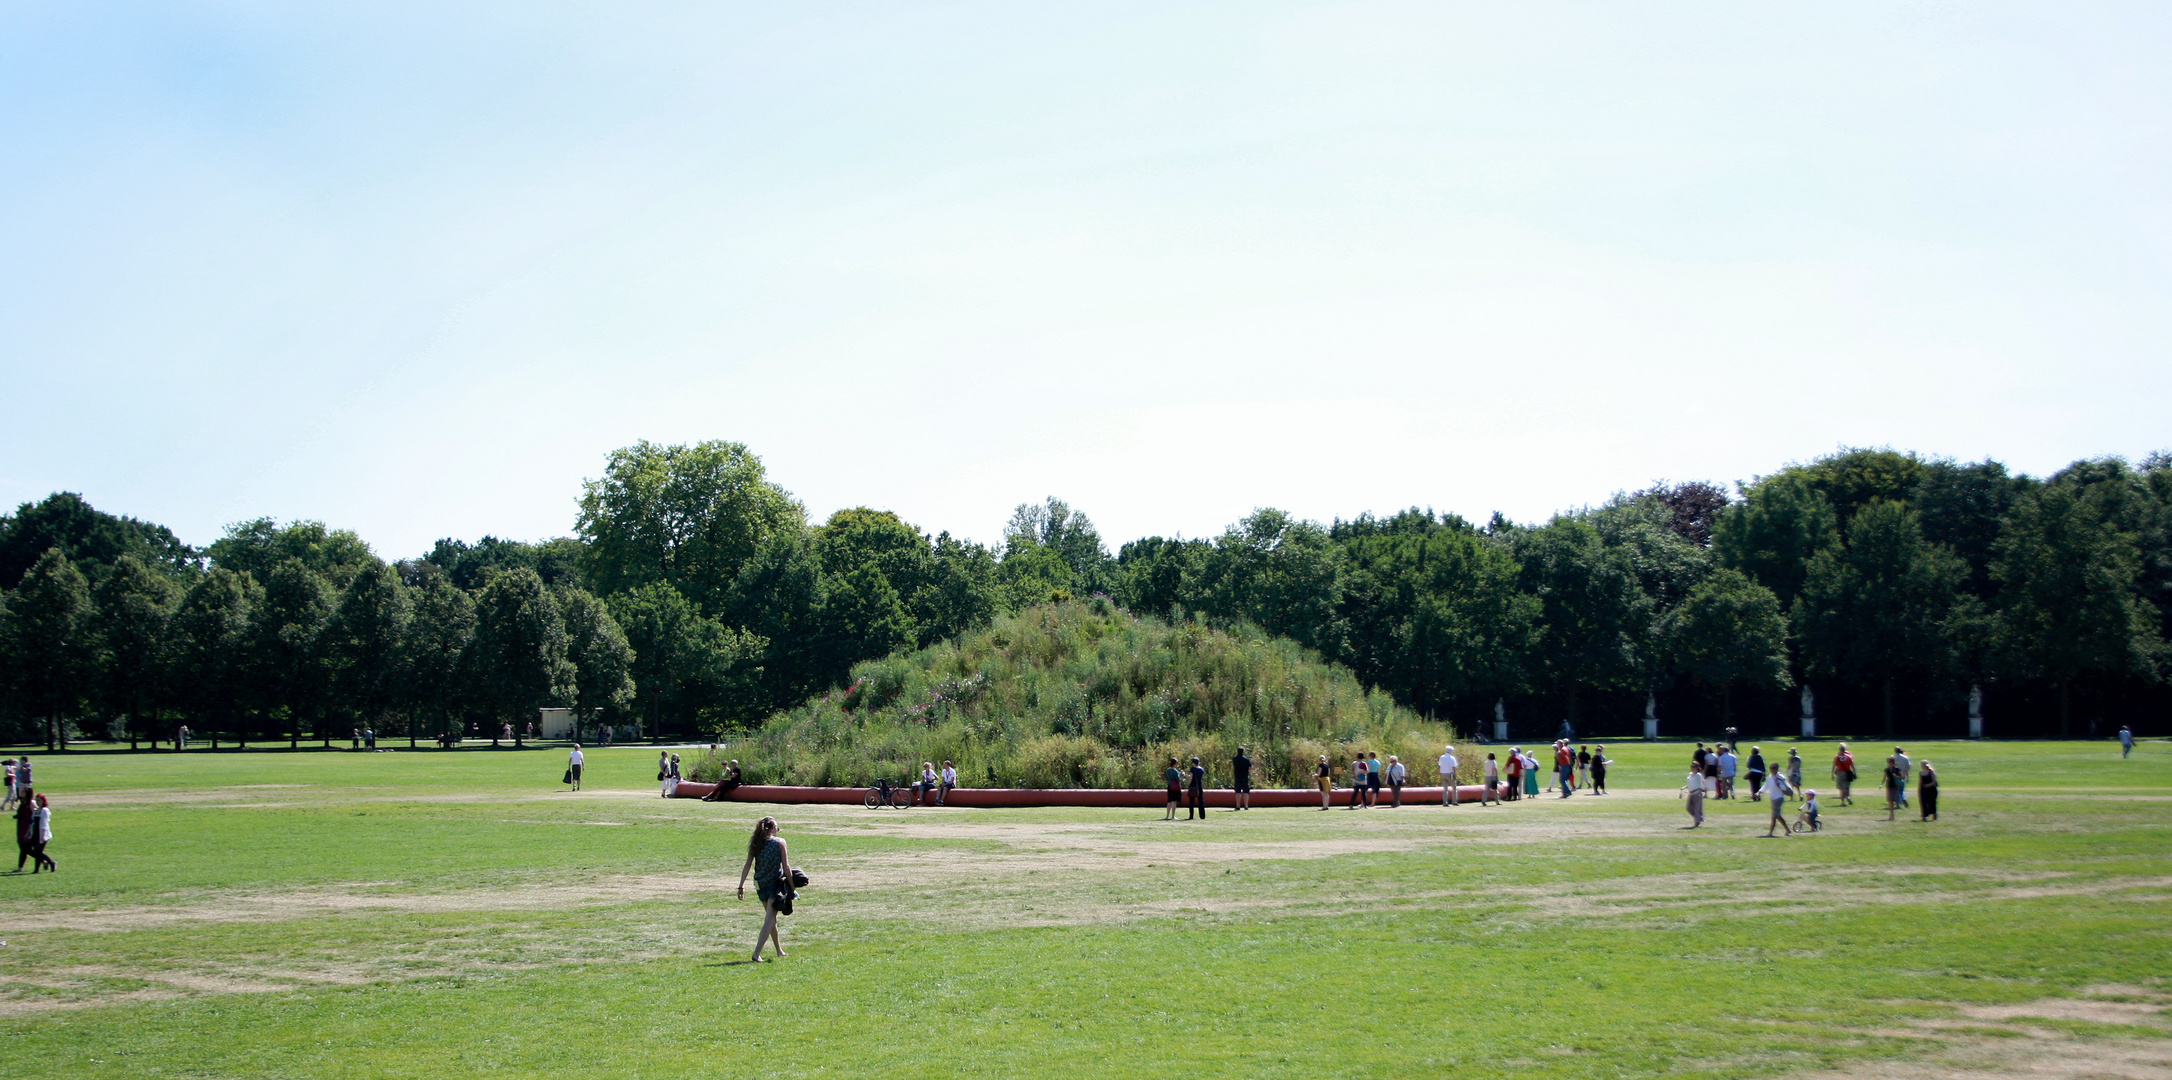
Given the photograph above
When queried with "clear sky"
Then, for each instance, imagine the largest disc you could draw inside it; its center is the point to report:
(415, 269)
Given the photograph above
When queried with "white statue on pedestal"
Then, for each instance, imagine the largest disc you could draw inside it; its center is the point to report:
(1651, 706)
(1975, 703)
(1809, 703)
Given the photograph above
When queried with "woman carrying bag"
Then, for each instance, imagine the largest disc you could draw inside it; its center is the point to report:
(772, 869)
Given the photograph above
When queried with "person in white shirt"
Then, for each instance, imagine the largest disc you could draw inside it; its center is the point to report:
(573, 766)
(663, 771)
(672, 777)
(1450, 793)
(1396, 773)
(1728, 766)
(1777, 789)
(1492, 780)
(950, 780)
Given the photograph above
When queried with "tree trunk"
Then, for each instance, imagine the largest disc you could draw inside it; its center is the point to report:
(2066, 708)
(1889, 710)
(52, 733)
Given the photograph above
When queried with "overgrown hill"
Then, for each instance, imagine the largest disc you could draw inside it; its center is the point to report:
(1086, 694)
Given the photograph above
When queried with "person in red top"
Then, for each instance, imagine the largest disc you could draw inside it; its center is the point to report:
(1565, 764)
(1844, 772)
(1515, 772)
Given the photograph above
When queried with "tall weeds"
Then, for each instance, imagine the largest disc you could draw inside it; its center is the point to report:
(1085, 694)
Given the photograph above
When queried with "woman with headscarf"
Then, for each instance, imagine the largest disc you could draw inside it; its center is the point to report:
(1926, 792)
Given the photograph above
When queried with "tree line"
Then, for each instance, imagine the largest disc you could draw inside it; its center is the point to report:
(696, 597)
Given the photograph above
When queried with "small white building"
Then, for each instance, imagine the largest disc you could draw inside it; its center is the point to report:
(555, 723)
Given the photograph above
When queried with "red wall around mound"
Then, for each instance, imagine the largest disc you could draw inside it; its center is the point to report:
(1147, 797)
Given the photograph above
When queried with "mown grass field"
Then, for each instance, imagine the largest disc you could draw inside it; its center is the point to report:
(459, 914)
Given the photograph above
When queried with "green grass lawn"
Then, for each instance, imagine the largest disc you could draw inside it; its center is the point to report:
(459, 914)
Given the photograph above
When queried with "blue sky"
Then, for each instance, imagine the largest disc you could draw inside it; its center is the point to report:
(416, 269)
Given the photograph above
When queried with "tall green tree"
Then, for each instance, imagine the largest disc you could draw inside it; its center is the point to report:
(1666, 563)
(1962, 508)
(687, 516)
(687, 669)
(134, 644)
(364, 645)
(210, 648)
(1160, 576)
(434, 654)
(1728, 632)
(1595, 619)
(1877, 610)
(1779, 525)
(1437, 616)
(602, 659)
(519, 658)
(258, 547)
(47, 644)
(1069, 535)
(94, 541)
(2067, 603)
(287, 669)
(1281, 574)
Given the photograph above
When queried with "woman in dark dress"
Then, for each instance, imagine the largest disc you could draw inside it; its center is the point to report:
(26, 831)
(772, 869)
(1756, 771)
(1598, 771)
(1927, 792)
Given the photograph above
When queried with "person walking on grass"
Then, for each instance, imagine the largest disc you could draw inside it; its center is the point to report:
(1451, 793)
(2126, 740)
(772, 868)
(1240, 781)
(1756, 772)
(1927, 793)
(1326, 781)
(1892, 782)
(22, 777)
(1598, 770)
(1794, 768)
(1583, 767)
(1901, 766)
(1174, 777)
(42, 833)
(1564, 769)
(1396, 773)
(1530, 775)
(574, 758)
(1777, 791)
(1729, 766)
(1693, 790)
(1491, 778)
(9, 767)
(1844, 773)
(26, 832)
(1513, 783)
(1197, 807)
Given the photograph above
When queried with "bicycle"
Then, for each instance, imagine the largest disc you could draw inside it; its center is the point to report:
(883, 794)
(1805, 823)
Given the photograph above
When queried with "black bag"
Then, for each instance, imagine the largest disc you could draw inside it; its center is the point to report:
(569, 777)
(659, 774)
(799, 878)
(783, 902)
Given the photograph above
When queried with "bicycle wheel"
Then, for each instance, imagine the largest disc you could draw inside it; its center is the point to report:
(902, 798)
(873, 799)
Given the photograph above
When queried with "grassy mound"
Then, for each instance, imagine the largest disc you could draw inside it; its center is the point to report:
(1085, 694)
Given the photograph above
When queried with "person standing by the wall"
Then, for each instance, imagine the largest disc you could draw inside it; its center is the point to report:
(1197, 808)
(1492, 780)
(1513, 775)
(1372, 779)
(1325, 778)
(663, 771)
(1358, 777)
(1396, 773)
(1451, 793)
(1174, 777)
(1240, 780)
(672, 776)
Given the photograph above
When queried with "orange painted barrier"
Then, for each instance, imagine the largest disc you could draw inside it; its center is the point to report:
(994, 797)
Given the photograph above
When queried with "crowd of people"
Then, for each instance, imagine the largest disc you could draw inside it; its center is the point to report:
(1712, 773)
